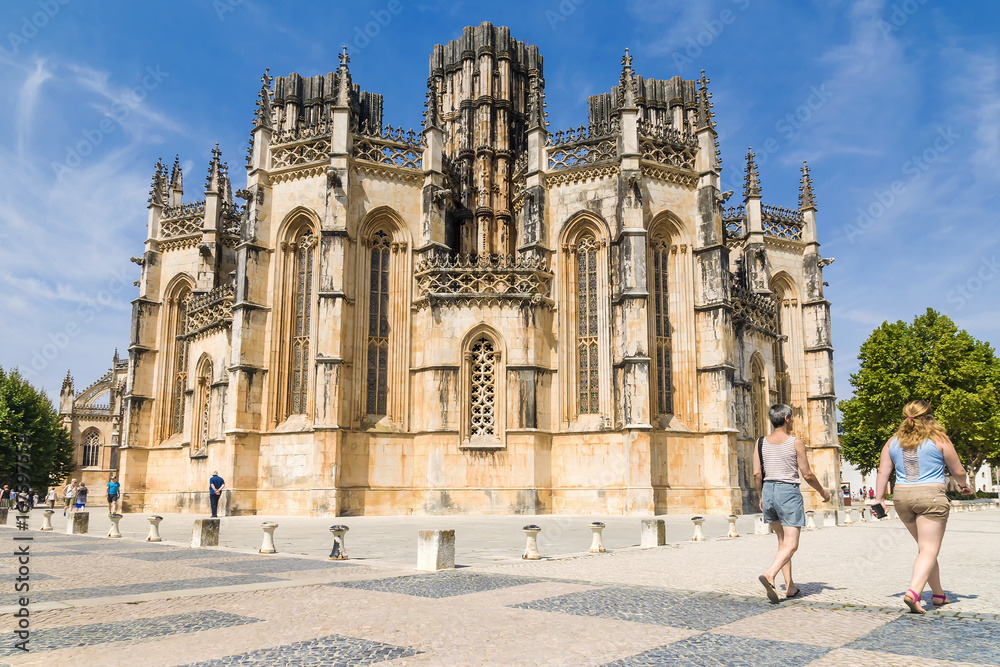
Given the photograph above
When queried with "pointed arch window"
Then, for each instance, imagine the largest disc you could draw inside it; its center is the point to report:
(758, 398)
(482, 387)
(298, 375)
(91, 450)
(378, 326)
(180, 362)
(204, 404)
(588, 376)
(781, 377)
(662, 348)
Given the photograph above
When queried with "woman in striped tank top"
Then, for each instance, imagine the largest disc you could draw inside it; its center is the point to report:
(919, 451)
(784, 459)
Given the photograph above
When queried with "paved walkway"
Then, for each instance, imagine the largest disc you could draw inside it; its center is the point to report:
(98, 601)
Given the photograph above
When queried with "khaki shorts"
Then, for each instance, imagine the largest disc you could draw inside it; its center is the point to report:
(927, 500)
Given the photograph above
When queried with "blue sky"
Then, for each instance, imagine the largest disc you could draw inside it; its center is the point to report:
(896, 106)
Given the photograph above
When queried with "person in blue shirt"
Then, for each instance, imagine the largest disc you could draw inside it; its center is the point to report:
(114, 493)
(215, 486)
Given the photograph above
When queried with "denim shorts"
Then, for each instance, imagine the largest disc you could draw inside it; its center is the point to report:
(783, 502)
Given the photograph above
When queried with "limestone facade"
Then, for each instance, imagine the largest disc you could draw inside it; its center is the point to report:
(486, 316)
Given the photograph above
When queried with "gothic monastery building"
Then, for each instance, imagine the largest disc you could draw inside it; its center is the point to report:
(486, 316)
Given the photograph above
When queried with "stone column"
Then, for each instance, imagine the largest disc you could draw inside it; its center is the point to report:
(205, 533)
(653, 533)
(435, 550)
(154, 529)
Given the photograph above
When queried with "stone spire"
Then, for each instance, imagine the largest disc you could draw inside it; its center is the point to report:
(536, 103)
(806, 198)
(114, 361)
(344, 80)
(225, 188)
(68, 382)
(627, 83)
(176, 184)
(262, 117)
(706, 118)
(431, 105)
(158, 188)
(751, 179)
(213, 181)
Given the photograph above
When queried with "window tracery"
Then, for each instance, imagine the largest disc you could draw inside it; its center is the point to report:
(180, 361)
(587, 349)
(378, 325)
(301, 320)
(91, 450)
(662, 363)
(482, 368)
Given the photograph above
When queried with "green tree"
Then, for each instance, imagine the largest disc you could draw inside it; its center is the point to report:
(26, 411)
(933, 360)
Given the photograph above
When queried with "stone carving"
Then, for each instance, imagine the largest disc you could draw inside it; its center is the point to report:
(209, 312)
(291, 155)
(483, 276)
(593, 144)
(782, 222)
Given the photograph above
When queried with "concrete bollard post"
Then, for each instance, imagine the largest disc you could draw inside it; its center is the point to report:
(114, 532)
(531, 548)
(267, 546)
(698, 536)
(205, 533)
(847, 516)
(861, 515)
(3, 516)
(154, 529)
(339, 551)
(811, 520)
(597, 544)
(732, 526)
(78, 524)
(47, 520)
(435, 550)
(761, 527)
(653, 533)
(831, 519)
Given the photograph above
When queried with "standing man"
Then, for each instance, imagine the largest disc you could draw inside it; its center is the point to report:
(69, 495)
(215, 486)
(114, 493)
(779, 461)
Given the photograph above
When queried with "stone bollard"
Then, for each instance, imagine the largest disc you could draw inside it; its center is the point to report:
(811, 520)
(698, 536)
(847, 516)
(78, 523)
(205, 533)
(597, 544)
(831, 519)
(47, 520)
(114, 532)
(653, 533)
(761, 527)
(435, 550)
(339, 551)
(861, 515)
(154, 529)
(732, 526)
(531, 548)
(892, 513)
(3, 516)
(267, 546)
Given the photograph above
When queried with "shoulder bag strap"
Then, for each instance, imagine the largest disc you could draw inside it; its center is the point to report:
(760, 455)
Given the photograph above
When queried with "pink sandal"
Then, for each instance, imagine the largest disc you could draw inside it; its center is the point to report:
(939, 600)
(912, 601)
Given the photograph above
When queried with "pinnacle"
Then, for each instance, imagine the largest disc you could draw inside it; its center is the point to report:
(751, 179)
(807, 199)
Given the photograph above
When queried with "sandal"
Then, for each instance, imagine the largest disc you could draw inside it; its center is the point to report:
(772, 595)
(939, 600)
(912, 601)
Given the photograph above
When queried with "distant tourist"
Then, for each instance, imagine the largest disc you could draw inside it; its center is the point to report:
(50, 497)
(5, 497)
(81, 496)
(114, 492)
(34, 500)
(69, 495)
(780, 460)
(871, 494)
(919, 451)
(215, 486)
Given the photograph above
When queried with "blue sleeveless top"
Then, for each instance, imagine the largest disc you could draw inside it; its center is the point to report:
(923, 465)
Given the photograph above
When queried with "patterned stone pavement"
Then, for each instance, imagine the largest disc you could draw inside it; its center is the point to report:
(96, 601)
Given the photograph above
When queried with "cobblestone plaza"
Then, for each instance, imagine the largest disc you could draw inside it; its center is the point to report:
(95, 599)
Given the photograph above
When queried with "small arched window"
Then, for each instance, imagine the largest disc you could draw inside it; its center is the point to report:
(298, 385)
(91, 449)
(204, 404)
(660, 293)
(588, 375)
(482, 388)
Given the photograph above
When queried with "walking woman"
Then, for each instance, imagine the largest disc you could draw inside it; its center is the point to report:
(919, 451)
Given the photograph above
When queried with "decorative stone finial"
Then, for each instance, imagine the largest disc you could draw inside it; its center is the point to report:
(262, 116)
(177, 176)
(344, 80)
(751, 180)
(706, 118)
(68, 382)
(158, 188)
(626, 84)
(212, 181)
(344, 58)
(536, 103)
(806, 198)
(431, 105)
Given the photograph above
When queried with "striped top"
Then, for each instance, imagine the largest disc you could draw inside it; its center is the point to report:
(781, 464)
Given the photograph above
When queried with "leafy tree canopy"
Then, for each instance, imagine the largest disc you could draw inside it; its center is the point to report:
(932, 360)
(26, 411)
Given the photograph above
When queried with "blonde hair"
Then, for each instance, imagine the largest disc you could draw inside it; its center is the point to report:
(918, 425)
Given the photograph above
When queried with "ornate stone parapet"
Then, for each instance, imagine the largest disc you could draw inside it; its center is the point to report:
(734, 222)
(756, 312)
(782, 223)
(209, 312)
(593, 144)
(388, 146)
(484, 277)
(667, 146)
(183, 220)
